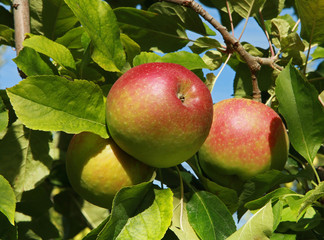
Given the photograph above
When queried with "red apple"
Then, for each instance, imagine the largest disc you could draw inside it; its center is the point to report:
(97, 168)
(160, 113)
(246, 138)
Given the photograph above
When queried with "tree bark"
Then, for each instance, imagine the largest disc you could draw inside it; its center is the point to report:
(22, 22)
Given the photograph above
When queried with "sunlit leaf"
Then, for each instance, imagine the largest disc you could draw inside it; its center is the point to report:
(311, 197)
(4, 117)
(99, 21)
(53, 103)
(7, 200)
(139, 212)
(259, 226)
(180, 223)
(54, 50)
(24, 159)
(189, 60)
(31, 63)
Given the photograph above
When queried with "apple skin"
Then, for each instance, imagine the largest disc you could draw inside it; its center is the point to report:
(246, 138)
(97, 168)
(160, 113)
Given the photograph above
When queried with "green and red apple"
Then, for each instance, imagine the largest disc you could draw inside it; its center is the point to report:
(97, 168)
(160, 113)
(246, 138)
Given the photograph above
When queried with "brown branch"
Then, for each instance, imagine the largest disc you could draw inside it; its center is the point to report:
(254, 63)
(22, 24)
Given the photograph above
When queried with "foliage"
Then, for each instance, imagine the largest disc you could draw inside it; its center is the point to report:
(75, 52)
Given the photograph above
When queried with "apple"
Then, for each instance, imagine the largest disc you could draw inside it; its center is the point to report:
(97, 168)
(160, 113)
(246, 138)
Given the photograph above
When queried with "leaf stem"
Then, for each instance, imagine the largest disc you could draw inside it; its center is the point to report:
(267, 34)
(181, 197)
(316, 174)
(309, 49)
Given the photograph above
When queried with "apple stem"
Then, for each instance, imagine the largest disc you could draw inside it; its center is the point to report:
(181, 197)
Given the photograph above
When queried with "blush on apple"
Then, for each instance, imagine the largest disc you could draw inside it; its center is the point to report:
(160, 113)
(246, 138)
(97, 168)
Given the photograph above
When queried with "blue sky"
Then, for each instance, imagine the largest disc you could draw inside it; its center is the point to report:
(223, 88)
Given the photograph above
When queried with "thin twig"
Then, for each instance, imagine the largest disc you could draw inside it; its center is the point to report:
(296, 24)
(230, 17)
(267, 34)
(221, 70)
(309, 49)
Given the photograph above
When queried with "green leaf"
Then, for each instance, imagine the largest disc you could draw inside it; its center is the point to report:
(51, 18)
(53, 103)
(153, 222)
(213, 59)
(24, 159)
(243, 81)
(72, 39)
(180, 224)
(274, 195)
(260, 184)
(6, 35)
(259, 226)
(182, 15)
(131, 47)
(281, 236)
(290, 220)
(189, 60)
(209, 217)
(311, 197)
(32, 63)
(246, 8)
(7, 200)
(299, 105)
(99, 21)
(139, 212)
(318, 53)
(272, 8)
(152, 31)
(54, 50)
(227, 195)
(4, 116)
(146, 57)
(312, 19)
(203, 44)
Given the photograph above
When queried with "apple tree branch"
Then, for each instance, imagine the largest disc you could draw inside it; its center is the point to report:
(233, 45)
(22, 24)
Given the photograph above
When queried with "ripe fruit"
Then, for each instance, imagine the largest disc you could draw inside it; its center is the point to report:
(160, 113)
(246, 138)
(97, 168)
